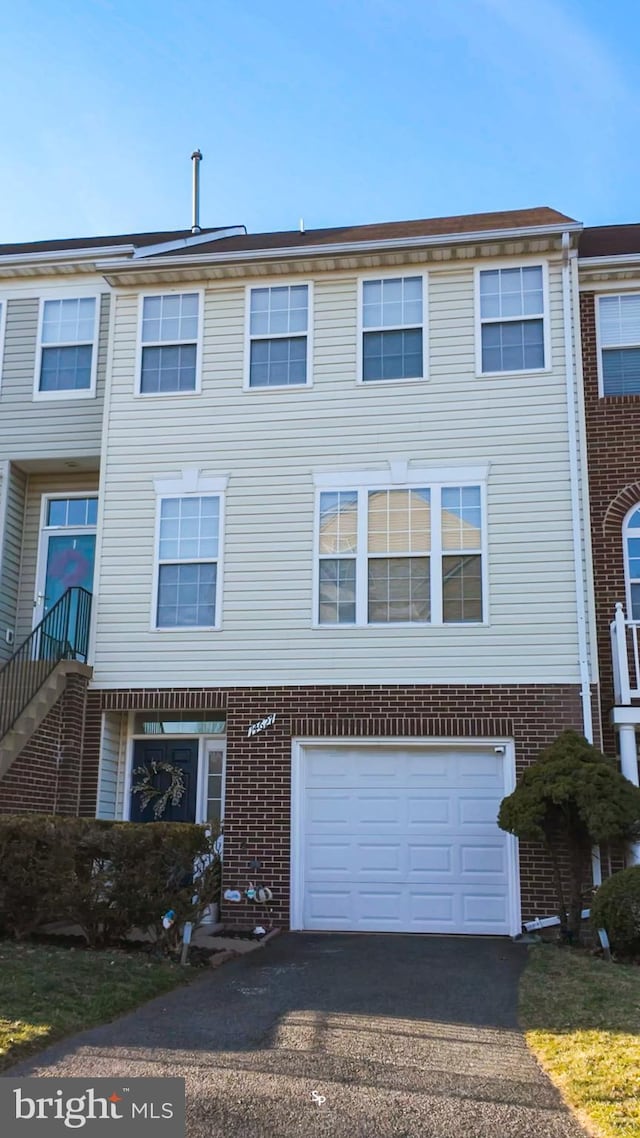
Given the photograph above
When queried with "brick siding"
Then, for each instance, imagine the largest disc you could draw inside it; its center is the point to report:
(613, 450)
(258, 778)
(46, 776)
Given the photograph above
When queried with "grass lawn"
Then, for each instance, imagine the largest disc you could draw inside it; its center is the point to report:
(47, 992)
(582, 1018)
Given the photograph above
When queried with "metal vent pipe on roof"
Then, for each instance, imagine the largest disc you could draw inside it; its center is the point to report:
(196, 158)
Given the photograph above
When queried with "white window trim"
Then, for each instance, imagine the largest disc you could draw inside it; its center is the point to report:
(284, 282)
(3, 328)
(625, 555)
(391, 274)
(521, 263)
(201, 792)
(600, 347)
(186, 630)
(46, 530)
(168, 291)
(78, 293)
(376, 480)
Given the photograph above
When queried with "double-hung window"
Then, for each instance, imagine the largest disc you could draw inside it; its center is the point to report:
(278, 354)
(512, 319)
(389, 555)
(188, 591)
(66, 363)
(392, 329)
(619, 341)
(169, 344)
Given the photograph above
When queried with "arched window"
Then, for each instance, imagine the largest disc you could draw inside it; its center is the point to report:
(631, 537)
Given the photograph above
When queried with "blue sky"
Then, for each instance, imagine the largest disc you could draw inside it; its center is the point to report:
(340, 111)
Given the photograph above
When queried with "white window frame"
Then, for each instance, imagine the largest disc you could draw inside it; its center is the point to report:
(187, 629)
(43, 542)
(185, 290)
(270, 282)
(600, 347)
(392, 274)
(628, 531)
(78, 293)
(491, 266)
(3, 327)
(435, 481)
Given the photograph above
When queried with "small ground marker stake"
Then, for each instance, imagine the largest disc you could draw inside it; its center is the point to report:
(604, 941)
(186, 941)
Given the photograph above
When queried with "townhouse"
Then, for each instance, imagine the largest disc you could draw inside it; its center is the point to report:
(325, 493)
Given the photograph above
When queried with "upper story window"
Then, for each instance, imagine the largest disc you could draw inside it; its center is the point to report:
(169, 344)
(389, 555)
(619, 340)
(279, 336)
(631, 537)
(392, 329)
(512, 315)
(66, 363)
(188, 588)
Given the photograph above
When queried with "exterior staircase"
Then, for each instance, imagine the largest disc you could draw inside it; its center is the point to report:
(35, 677)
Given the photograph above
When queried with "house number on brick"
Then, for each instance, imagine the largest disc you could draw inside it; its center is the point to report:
(268, 721)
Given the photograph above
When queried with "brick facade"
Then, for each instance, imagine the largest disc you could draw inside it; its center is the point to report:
(258, 775)
(613, 450)
(46, 776)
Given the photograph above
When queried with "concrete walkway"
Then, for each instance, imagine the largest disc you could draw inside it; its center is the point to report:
(400, 1035)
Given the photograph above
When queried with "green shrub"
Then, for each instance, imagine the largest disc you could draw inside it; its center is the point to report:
(616, 908)
(36, 871)
(107, 877)
(571, 798)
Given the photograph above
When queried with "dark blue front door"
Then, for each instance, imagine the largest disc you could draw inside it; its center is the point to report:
(180, 753)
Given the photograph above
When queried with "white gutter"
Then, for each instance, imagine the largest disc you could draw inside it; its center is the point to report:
(574, 475)
(334, 248)
(602, 262)
(62, 255)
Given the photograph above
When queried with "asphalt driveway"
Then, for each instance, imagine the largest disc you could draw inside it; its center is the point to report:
(397, 1035)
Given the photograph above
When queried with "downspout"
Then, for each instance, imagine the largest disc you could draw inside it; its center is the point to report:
(574, 476)
(576, 519)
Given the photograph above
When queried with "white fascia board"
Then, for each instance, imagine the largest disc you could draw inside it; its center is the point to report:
(379, 245)
(617, 262)
(187, 242)
(54, 256)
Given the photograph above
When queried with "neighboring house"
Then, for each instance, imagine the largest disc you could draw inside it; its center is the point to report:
(340, 480)
(609, 270)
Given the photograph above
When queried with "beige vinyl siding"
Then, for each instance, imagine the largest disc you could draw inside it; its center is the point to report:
(39, 484)
(111, 763)
(270, 442)
(13, 494)
(53, 428)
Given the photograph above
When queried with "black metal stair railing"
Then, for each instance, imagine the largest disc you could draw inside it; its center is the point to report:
(63, 634)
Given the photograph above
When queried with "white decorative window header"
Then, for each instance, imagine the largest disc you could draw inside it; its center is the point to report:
(191, 481)
(400, 472)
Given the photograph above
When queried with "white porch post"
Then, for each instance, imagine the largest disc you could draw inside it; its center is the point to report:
(629, 768)
(628, 752)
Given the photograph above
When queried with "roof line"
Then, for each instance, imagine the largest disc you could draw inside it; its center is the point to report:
(358, 246)
(64, 254)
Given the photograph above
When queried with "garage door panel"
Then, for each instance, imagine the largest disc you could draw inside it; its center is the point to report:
(485, 860)
(429, 858)
(404, 839)
(485, 910)
(478, 810)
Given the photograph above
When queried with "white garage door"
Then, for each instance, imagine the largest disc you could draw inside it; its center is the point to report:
(401, 839)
